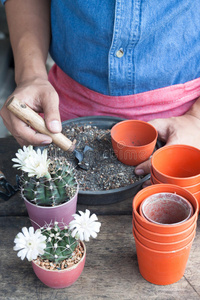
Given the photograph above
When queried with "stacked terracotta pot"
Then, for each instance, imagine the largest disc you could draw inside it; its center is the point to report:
(162, 246)
(177, 164)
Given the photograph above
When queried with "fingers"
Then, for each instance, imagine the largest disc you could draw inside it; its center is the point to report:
(52, 115)
(25, 135)
(162, 126)
(42, 98)
(143, 168)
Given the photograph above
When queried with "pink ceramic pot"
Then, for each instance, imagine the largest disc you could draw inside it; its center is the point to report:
(160, 188)
(177, 164)
(164, 238)
(41, 215)
(60, 278)
(166, 208)
(133, 141)
(170, 246)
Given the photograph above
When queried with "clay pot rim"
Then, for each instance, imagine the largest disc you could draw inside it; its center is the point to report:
(143, 214)
(67, 269)
(163, 252)
(193, 233)
(156, 226)
(51, 207)
(134, 121)
(168, 177)
(186, 186)
(167, 235)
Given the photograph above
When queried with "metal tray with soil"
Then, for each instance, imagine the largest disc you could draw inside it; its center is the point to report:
(105, 180)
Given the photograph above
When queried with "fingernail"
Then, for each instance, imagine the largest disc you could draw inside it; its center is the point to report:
(139, 171)
(55, 125)
(46, 142)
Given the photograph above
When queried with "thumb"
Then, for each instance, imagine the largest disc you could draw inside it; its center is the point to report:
(52, 114)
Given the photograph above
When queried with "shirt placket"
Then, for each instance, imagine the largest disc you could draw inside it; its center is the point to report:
(126, 34)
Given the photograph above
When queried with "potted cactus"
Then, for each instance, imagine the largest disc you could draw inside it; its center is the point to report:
(48, 186)
(57, 251)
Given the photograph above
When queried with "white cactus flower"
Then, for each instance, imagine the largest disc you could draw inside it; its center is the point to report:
(22, 156)
(83, 226)
(35, 163)
(30, 244)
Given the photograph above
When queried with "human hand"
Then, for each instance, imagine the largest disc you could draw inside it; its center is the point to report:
(40, 95)
(176, 130)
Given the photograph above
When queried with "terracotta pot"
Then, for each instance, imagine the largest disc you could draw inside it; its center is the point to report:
(177, 164)
(60, 278)
(170, 246)
(166, 208)
(164, 238)
(133, 141)
(162, 188)
(192, 188)
(162, 267)
(41, 215)
(197, 196)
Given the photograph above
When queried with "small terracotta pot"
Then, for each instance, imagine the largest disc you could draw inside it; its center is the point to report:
(164, 238)
(133, 141)
(177, 164)
(192, 188)
(41, 215)
(162, 267)
(166, 209)
(170, 246)
(60, 278)
(162, 188)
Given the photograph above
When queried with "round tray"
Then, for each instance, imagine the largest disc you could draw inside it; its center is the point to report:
(108, 196)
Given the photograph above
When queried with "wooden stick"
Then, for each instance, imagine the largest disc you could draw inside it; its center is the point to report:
(31, 118)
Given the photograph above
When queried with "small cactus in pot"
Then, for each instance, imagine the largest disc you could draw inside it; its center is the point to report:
(57, 247)
(45, 181)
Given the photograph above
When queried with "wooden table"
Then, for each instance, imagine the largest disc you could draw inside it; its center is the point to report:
(111, 270)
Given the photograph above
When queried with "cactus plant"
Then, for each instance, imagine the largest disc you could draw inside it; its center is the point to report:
(59, 243)
(56, 241)
(45, 181)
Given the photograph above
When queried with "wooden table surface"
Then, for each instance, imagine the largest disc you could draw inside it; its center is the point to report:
(111, 269)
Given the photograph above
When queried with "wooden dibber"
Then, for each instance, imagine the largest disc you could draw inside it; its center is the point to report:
(30, 117)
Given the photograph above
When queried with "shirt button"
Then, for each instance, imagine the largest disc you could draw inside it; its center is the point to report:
(120, 53)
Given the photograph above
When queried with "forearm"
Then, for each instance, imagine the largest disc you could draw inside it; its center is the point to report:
(29, 28)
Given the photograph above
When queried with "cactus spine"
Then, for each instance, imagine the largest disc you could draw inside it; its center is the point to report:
(59, 243)
(55, 188)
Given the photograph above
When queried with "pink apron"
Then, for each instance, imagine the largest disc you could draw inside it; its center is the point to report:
(79, 101)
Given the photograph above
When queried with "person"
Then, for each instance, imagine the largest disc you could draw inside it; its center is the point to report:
(132, 59)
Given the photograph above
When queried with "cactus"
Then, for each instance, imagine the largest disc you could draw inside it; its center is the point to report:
(59, 243)
(53, 189)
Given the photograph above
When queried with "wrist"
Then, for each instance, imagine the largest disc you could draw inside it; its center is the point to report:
(194, 111)
(30, 72)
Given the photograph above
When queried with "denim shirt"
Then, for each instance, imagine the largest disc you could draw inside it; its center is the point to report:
(126, 47)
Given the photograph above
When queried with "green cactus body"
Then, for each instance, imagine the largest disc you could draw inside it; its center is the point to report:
(59, 244)
(57, 187)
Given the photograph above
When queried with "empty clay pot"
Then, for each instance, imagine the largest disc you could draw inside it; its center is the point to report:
(166, 209)
(133, 141)
(177, 164)
(164, 238)
(162, 267)
(191, 188)
(164, 188)
(170, 246)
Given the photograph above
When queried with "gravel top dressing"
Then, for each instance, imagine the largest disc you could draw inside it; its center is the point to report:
(104, 171)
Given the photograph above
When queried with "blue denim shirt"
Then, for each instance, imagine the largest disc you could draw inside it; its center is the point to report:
(126, 47)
